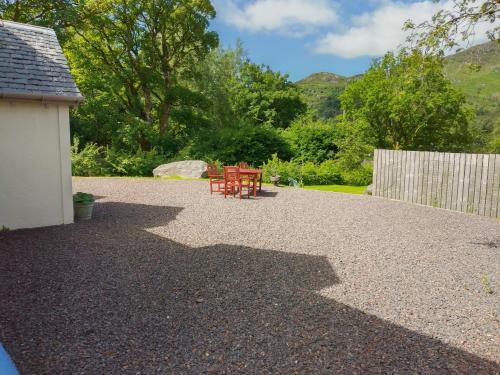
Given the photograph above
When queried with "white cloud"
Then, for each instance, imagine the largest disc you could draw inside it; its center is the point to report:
(375, 33)
(290, 17)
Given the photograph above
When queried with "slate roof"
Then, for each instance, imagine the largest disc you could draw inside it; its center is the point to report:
(33, 66)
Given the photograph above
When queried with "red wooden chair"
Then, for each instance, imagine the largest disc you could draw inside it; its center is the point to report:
(235, 182)
(215, 178)
(231, 180)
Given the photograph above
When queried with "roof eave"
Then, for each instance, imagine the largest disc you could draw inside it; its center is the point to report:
(70, 99)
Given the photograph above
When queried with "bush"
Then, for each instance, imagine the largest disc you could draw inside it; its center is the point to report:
(94, 160)
(142, 163)
(360, 176)
(308, 173)
(250, 143)
(328, 173)
(87, 161)
(312, 140)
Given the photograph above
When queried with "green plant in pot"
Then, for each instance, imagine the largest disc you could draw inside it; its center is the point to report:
(83, 204)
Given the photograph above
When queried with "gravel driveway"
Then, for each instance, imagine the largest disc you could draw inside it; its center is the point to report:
(169, 279)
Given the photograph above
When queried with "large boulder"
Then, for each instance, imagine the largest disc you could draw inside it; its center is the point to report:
(186, 168)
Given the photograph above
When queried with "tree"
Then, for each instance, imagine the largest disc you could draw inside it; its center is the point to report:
(448, 28)
(312, 140)
(39, 12)
(216, 79)
(145, 50)
(267, 97)
(404, 101)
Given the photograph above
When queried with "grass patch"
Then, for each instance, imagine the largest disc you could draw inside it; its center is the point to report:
(338, 188)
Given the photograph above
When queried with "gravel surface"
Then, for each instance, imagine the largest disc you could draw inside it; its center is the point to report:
(169, 279)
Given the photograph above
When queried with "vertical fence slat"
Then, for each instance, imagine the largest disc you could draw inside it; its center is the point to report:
(446, 180)
(461, 179)
(455, 183)
(406, 175)
(386, 173)
(424, 176)
(375, 172)
(496, 201)
(483, 188)
(477, 184)
(397, 187)
(489, 185)
(418, 177)
(439, 178)
(430, 172)
(393, 175)
(471, 184)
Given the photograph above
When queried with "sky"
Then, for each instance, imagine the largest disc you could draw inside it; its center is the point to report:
(301, 37)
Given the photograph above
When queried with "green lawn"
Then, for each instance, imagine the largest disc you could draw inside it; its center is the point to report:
(338, 188)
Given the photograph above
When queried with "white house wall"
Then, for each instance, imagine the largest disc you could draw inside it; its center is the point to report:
(35, 165)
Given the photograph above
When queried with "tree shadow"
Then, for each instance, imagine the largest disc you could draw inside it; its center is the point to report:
(106, 296)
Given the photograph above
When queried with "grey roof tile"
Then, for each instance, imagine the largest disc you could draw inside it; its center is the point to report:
(32, 63)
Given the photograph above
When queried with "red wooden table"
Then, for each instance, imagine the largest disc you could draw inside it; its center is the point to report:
(254, 173)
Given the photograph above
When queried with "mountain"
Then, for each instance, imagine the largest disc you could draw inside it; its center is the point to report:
(475, 70)
(321, 91)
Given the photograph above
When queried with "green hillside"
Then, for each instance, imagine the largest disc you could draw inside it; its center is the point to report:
(477, 72)
(321, 91)
(481, 87)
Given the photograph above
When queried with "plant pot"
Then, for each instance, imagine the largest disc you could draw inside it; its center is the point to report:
(275, 180)
(83, 211)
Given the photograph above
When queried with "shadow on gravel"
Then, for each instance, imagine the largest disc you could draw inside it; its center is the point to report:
(267, 194)
(107, 297)
(260, 194)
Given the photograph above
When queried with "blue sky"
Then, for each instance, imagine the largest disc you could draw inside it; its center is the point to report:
(300, 37)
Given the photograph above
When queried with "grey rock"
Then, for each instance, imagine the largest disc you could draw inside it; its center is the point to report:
(186, 168)
(369, 190)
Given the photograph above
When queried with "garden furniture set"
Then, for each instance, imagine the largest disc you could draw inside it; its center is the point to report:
(234, 179)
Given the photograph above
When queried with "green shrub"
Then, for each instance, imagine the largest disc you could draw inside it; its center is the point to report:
(360, 176)
(312, 140)
(87, 161)
(94, 160)
(245, 142)
(284, 169)
(326, 173)
(142, 163)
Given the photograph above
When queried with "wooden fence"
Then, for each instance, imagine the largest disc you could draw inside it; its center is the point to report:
(461, 182)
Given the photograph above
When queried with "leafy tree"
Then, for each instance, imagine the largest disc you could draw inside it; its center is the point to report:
(56, 14)
(404, 101)
(144, 50)
(216, 80)
(448, 28)
(312, 140)
(267, 97)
